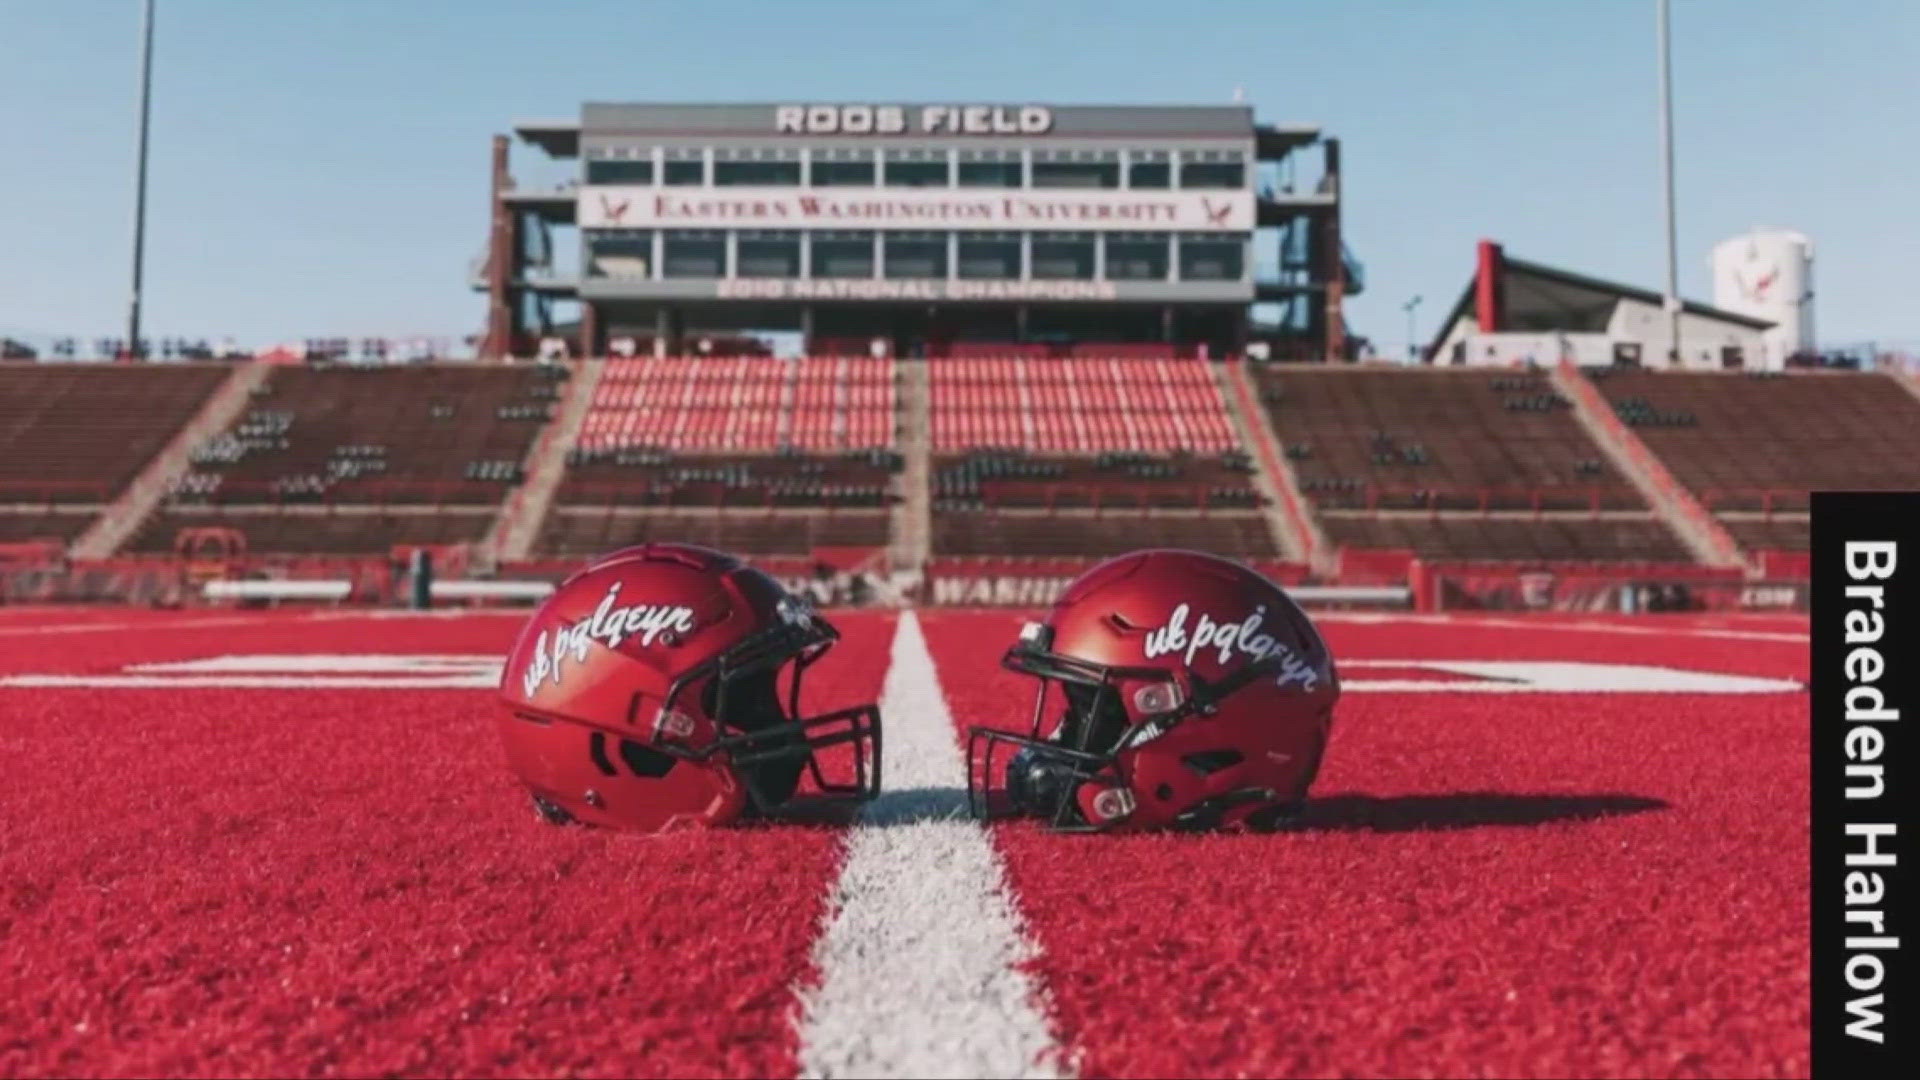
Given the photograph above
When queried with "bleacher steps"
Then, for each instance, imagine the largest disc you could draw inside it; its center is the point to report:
(514, 531)
(1908, 380)
(913, 514)
(121, 519)
(1293, 526)
(1707, 540)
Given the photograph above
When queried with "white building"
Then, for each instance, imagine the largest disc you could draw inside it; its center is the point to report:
(1513, 312)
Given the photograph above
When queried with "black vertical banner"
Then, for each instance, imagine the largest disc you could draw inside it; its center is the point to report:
(1865, 630)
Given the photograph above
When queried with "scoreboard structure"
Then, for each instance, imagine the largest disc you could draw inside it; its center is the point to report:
(914, 228)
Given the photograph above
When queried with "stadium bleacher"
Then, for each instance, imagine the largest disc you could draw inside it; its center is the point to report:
(1456, 464)
(743, 403)
(1032, 453)
(431, 449)
(1029, 454)
(586, 531)
(1750, 446)
(20, 523)
(73, 435)
(654, 476)
(1236, 534)
(984, 480)
(743, 438)
(80, 432)
(1519, 538)
(1078, 405)
(318, 530)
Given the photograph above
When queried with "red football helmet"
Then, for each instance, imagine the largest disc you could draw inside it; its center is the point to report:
(644, 694)
(1197, 695)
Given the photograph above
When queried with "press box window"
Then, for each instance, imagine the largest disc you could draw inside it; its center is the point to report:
(1076, 169)
(1149, 169)
(684, 168)
(1138, 256)
(989, 256)
(1213, 169)
(620, 171)
(916, 168)
(1063, 256)
(1206, 257)
(843, 255)
(694, 254)
(842, 168)
(990, 169)
(769, 167)
(767, 255)
(620, 253)
(915, 255)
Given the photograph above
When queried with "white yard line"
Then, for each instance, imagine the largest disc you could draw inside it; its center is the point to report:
(23, 629)
(161, 626)
(918, 962)
(1583, 626)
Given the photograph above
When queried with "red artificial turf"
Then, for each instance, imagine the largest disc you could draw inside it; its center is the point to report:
(302, 882)
(316, 882)
(1489, 885)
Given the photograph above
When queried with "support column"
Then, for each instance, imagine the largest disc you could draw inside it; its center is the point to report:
(589, 329)
(1336, 265)
(497, 343)
(662, 330)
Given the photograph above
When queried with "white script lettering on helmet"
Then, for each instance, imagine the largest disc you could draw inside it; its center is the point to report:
(610, 626)
(1244, 637)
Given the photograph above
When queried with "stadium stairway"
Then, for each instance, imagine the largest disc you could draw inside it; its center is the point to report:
(1906, 377)
(122, 518)
(1704, 537)
(913, 515)
(1299, 535)
(518, 524)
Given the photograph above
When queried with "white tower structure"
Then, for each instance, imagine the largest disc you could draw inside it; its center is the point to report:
(1768, 274)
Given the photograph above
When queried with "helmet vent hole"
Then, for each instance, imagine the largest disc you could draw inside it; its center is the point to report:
(1163, 792)
(645, 760)
(1208, 762)
(597, 750)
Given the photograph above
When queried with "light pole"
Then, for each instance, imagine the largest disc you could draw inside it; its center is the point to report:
(1672, 300)
(1413, 343)
(140, 179)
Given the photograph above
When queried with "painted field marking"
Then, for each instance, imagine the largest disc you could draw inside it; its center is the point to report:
(468, 671)
(919, 959)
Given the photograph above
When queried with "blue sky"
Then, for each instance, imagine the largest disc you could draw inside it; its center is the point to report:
(319, 167)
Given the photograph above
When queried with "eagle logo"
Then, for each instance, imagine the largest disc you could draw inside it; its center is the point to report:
(615, 211)
(1757, 292)
(1216, 215)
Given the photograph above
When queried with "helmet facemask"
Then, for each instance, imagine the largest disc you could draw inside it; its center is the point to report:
(1106, 710)
(768, 742)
